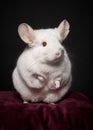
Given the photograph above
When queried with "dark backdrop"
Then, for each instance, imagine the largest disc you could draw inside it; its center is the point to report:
(45, 14)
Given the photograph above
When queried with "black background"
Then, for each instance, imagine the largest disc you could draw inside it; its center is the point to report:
(45, 14)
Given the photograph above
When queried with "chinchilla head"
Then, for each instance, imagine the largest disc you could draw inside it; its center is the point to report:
(45, 45)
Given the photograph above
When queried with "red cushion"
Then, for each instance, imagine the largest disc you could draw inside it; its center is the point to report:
(74, 112)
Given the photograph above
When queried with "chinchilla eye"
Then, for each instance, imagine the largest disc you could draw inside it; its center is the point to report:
(44, 43)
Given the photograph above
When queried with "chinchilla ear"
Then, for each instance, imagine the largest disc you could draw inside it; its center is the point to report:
(63, 29)
(26, 33)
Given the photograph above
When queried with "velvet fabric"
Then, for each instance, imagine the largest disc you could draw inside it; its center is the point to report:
(73, 112)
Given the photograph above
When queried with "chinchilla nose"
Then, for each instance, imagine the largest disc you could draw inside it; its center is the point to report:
(59, 53)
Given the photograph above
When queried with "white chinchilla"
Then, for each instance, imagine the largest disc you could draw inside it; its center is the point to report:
(43, 70)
